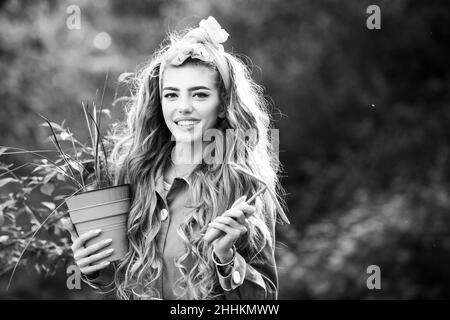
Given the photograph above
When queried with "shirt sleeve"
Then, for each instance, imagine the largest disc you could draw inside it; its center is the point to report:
(252, 281)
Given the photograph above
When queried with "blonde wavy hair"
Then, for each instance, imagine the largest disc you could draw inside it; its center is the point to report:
(142, 147)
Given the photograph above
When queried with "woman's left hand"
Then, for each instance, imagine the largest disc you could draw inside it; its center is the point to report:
(234, 224)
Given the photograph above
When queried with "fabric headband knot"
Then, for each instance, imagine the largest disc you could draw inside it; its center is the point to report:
(197, 44)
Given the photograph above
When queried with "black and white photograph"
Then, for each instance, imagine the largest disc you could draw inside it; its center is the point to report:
(245, 150)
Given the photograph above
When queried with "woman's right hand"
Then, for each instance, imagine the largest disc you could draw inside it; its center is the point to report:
(87, 258)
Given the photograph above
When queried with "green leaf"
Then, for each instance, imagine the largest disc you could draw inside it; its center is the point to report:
(49, 205)
(6, 204)
(5, 181)
(49, 176)
(55, 126)
(28, 210)
(76, 166)
(65, 136)
(4, 166)
(37, 169)
(107, 112)
(47, 189)
(27, 190)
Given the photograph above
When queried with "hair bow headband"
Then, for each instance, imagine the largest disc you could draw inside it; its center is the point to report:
(203, 43)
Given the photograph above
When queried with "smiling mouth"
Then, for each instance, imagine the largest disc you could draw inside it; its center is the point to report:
(187, 123)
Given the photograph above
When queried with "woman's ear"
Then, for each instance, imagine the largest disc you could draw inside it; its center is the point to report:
(222, 113)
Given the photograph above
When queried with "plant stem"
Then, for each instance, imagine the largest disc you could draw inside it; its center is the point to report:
(76, 156)
(58, 146)
(86, 112)
(49, 160)
(103, 146)
(11, 172)
(34, 234)
(99, 124)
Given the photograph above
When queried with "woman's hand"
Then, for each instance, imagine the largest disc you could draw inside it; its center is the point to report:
(234, 224)
(87, 258)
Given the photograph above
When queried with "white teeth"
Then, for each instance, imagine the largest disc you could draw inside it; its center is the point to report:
(186, 122)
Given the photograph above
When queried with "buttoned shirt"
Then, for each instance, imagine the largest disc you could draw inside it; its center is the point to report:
(256, 279)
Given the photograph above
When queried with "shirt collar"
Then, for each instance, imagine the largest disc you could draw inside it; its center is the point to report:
(159, 181)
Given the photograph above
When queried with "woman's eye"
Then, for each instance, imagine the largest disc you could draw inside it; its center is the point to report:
(201, 95)
(170, 95)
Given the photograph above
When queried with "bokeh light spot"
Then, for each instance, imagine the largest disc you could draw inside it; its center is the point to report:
(102, 41)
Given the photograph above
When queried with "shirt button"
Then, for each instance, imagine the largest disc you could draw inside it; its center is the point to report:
(164, 214)
(236, 277)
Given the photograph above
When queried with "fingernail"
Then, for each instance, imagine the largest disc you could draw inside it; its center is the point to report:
(98, 230)
(110, 250)
(107, 241)
(106, 263)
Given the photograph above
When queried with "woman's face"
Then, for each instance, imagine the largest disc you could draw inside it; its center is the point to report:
(190, 101)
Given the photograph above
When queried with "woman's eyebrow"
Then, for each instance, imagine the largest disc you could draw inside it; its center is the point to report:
(198, 88)
(171, 88)
(190, 89)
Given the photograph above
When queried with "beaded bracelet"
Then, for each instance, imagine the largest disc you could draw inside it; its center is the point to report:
(224, 264)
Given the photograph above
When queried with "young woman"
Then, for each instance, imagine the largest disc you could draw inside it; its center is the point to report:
(192, 234)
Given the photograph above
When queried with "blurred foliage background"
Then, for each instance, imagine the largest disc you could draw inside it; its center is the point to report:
(363, 118)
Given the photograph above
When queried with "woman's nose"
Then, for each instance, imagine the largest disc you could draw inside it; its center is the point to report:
(185, 105)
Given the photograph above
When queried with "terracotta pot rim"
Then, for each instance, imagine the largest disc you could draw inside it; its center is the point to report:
(104, 188)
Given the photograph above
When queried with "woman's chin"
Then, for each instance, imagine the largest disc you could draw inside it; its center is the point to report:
(187, 139)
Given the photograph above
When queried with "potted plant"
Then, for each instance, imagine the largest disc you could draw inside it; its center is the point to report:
(95, 201)
(99, 204)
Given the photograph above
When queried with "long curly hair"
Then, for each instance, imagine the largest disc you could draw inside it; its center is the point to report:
(142, 149)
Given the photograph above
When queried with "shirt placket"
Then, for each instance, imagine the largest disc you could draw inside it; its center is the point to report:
(165, 224)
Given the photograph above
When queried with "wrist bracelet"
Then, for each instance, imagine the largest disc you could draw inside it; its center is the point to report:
(224, 264)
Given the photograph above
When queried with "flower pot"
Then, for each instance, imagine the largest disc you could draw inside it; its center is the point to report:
(105, 209)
